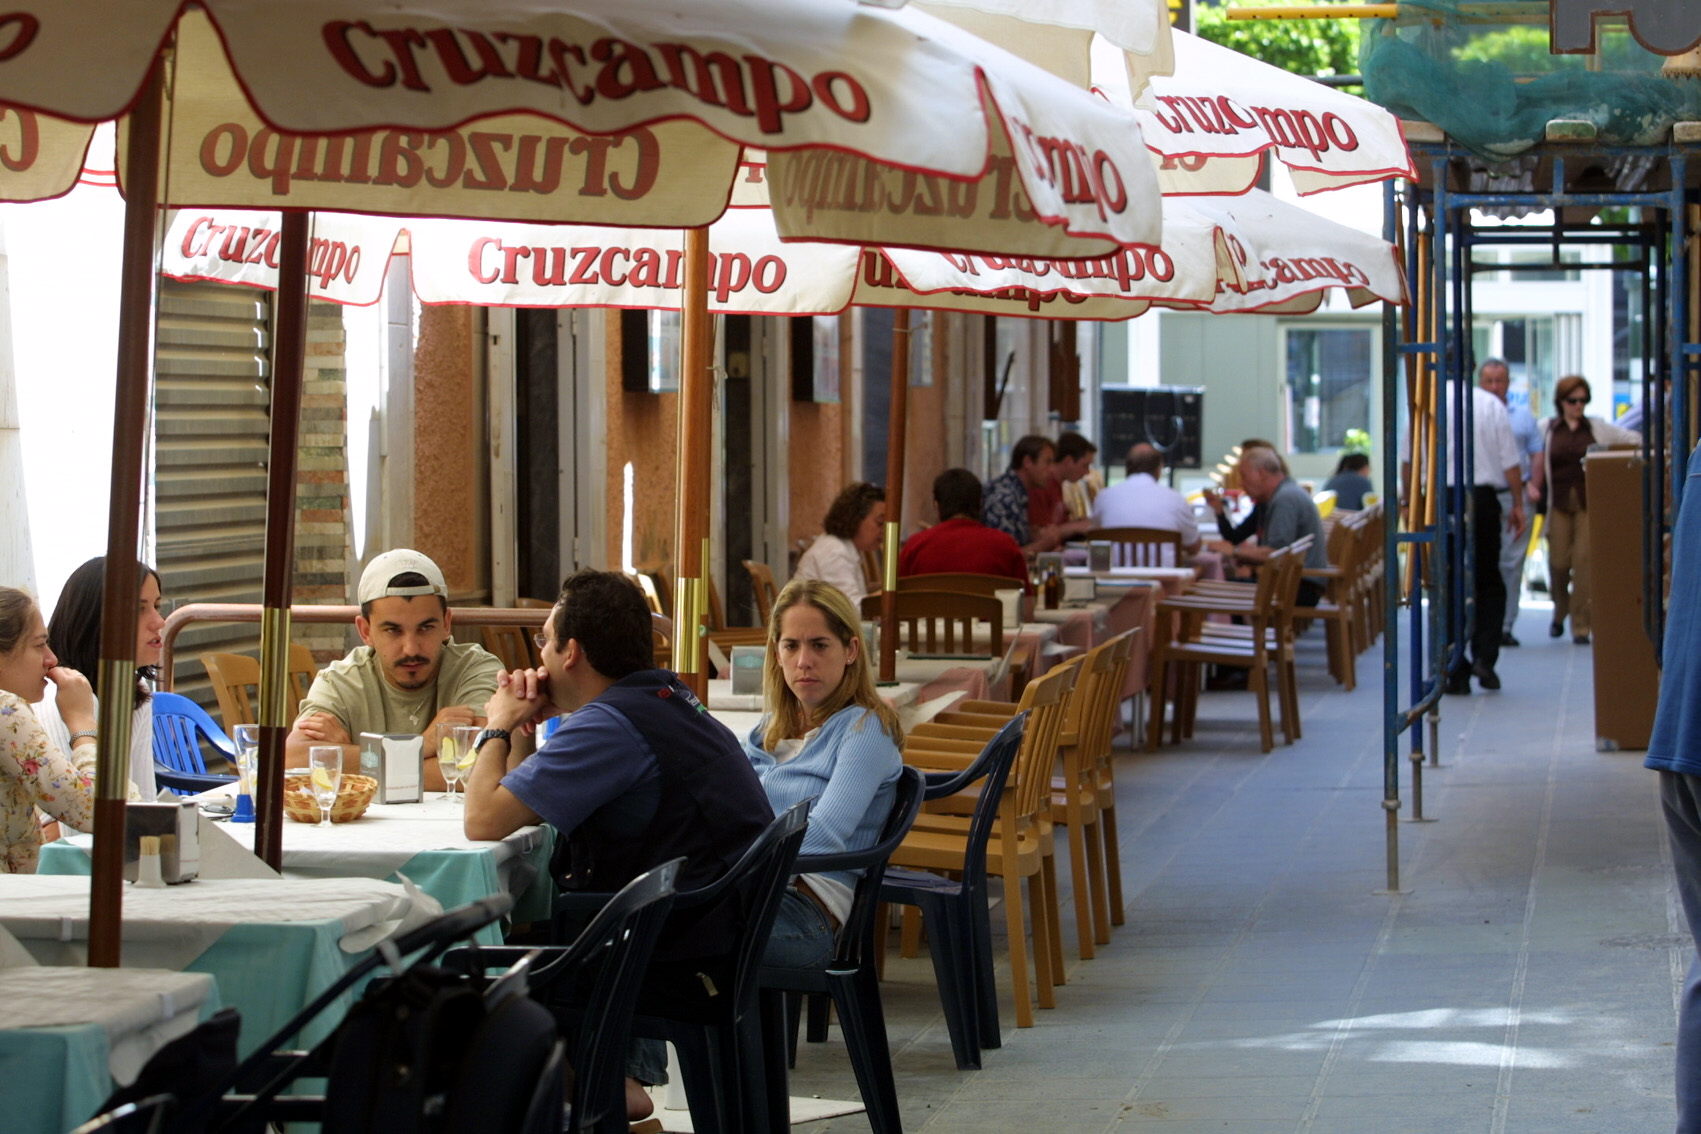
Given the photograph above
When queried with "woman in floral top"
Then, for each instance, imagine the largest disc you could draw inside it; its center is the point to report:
(33, 771)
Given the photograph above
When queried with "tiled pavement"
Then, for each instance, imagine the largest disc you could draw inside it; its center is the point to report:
(1522, 981)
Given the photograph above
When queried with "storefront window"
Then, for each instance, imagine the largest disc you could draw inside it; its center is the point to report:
(1329, 371)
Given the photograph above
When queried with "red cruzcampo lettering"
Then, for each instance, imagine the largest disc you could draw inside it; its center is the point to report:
(854, 106)
(274, 164)
(475, 259)
(227, 134)
(29, 140)
(490, 261)
(768, 104)
(329, 260)
(22, 27)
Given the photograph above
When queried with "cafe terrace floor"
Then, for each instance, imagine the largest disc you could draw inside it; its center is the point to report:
(1524, 981)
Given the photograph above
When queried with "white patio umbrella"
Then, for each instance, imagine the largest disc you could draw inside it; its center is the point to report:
(881, 124)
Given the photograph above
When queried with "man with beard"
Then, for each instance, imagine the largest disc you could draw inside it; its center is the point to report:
(409, 676)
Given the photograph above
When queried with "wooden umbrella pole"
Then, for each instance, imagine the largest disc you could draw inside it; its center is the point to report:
(897, 430)
(691, 496)
(138, 290)
(289, 350)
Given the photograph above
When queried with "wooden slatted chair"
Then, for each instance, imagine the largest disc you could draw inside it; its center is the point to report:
(964, 582)
(1141, 547)
(762, 583)
(945, 622)
(1105, 778)
(1185, 647)
(1020, 848)
(236, 683)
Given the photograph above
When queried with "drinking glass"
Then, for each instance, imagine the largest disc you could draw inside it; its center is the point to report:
(325, 775)
(455, 752)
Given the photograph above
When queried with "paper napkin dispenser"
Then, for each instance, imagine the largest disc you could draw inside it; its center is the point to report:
(747, 668)
(1078, 588)
(177, 826)
(394, 759)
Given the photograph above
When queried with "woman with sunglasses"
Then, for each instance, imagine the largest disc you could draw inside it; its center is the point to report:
(1566, 437)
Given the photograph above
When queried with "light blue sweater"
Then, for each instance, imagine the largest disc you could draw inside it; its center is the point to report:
(849, 767)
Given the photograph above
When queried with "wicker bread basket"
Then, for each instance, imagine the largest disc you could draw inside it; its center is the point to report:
(353, 797)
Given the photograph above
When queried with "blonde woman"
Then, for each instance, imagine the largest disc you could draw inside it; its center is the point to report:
(33, 771)
(828, 737)
(1558, 470)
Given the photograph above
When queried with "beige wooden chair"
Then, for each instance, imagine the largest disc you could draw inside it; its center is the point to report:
(1141, 547)
(762, 584)
(236, 683)
(965, 582)
(944, 622)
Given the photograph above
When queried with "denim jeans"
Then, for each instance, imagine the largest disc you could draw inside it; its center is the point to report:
(1680, 795)
(803, 938)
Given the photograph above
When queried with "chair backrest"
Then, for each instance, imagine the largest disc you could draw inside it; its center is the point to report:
(762, 584)
(750, 894)
(236, 683)
(1089, 713)
(1141, 547)
(652, 593)
(179, 726)
(1029, 797)
(607, 960)
(944, 622)
(856, 937)
(992, 768)
(512, 644)
(964, 582)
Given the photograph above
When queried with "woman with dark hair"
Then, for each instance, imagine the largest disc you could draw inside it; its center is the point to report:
(33, 771)
(853, 525)
(74, 634)
(828, 737)
(1566, 437)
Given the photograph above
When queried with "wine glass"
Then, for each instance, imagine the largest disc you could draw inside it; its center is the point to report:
(325, 777)
(449, 755)
(466, 748)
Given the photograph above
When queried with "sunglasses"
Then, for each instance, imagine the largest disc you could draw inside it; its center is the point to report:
(1576, 401)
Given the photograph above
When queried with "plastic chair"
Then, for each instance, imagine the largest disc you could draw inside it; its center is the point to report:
(1141, 547)
(180, 725)
(959, 932)
(607, 962)
(850, 978)
(141, 1117)
(233, 675)
(762, 583)
(707, 1007)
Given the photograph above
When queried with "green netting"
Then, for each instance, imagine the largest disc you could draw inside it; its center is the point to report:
(1493, 86)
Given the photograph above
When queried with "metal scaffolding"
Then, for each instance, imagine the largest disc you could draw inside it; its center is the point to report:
(1429, 554)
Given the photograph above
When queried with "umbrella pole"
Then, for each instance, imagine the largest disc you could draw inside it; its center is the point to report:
(289, 348)
(693, 469)
(897, 430)
(138, 291)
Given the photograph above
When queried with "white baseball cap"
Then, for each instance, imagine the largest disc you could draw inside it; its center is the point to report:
(375, 580)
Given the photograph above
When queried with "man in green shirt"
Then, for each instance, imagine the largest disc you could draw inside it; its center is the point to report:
(409, 676)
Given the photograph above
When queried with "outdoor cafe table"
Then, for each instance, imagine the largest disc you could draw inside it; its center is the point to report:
(272, 944)
(1126, 598)
(920, 682)
(69, 1035)
(420, 841)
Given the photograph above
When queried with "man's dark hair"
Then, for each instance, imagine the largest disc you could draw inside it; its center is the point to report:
(606, 613)
(406, 579)
(1029, 448)
(957, 493)
(850, 507)
(1143, 458)
(1072, 446)
(1353, 462)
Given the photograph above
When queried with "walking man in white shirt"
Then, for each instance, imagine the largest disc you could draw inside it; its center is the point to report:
(1495, 471)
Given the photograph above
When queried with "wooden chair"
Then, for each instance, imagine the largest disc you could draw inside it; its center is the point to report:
(1021, 847)
(965, 582)
(234, 675)
(944, 622)
(511, 644)
(1338, 609)
(1141, 547)
(1105, 777)
(1089, 724)
(762, 584)
(1190, 647)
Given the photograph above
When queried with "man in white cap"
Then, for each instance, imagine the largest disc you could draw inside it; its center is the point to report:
(409, 676)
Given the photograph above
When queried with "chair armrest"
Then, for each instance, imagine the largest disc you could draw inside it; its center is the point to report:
(1003, 709)
(1322, 573)
(188, 781)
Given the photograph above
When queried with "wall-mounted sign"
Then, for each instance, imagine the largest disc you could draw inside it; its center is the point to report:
(1667, 27)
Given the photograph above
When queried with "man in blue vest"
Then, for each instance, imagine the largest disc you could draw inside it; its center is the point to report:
(638, 774)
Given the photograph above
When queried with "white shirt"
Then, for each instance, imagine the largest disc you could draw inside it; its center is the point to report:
(1141, 502)
(142, 785)
(836, 561)
(1496, 448)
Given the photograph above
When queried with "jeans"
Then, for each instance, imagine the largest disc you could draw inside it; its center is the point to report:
(1680, 796)
(803, 938)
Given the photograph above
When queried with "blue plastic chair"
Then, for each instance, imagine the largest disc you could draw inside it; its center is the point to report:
(179, 727)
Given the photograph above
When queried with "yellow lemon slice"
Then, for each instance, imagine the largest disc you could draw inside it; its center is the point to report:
(322, 779)
(446, 748)
(468, 760)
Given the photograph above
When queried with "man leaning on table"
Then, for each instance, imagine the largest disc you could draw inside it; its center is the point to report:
(636, 775)
(408, 675)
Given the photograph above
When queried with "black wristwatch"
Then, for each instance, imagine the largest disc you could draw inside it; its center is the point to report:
(489, 734)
